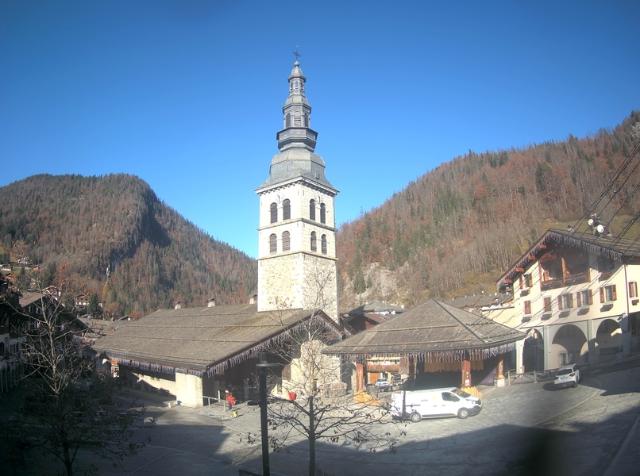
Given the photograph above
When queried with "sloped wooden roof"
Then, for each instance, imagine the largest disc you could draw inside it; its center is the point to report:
(202, 339)
(617, 249)
(433, 331)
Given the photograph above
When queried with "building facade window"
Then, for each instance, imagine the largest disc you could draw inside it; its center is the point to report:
(547, 304)
(633, 289)
(286, 241)
(527, 308)
(274, 212)
(608, 293)
(565, 301)
(273, 243)
(584, 298)
(323, 213)
(323, 244)
(312, 209)
(286, 209)
(314, 245)
(528, 281)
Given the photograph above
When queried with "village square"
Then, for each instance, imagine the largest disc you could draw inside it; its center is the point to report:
(286, 383)
(248, 238)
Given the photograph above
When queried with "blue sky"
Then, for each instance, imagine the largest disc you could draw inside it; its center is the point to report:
(188, 95)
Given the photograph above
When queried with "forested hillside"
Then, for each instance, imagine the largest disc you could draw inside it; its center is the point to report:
(455, 229)
(75, 227)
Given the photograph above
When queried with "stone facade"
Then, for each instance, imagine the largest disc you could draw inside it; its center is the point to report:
(297, 249)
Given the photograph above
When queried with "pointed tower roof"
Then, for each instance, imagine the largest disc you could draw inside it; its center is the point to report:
(297, 141)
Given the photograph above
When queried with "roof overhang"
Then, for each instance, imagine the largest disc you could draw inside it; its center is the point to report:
(614, 249)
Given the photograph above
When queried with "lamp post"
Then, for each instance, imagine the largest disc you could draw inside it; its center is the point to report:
(263, 365)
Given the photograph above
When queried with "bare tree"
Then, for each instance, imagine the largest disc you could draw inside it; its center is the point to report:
(68, 405)
(316, 405)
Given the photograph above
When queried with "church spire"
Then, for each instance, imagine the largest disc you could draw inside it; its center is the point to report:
(297, 130)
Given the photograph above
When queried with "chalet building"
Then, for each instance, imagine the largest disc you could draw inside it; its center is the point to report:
(195, 353)
(15, 310)
(575, 295)
(10, 340)
(433, 344)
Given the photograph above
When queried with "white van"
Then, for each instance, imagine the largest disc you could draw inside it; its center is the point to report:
(440, 402)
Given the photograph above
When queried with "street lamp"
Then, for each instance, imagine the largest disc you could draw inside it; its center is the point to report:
(263, 365)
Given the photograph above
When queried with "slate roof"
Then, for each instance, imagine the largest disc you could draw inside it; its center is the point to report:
(432, 330)
(614, 248)
(479, 300)
(201, 339)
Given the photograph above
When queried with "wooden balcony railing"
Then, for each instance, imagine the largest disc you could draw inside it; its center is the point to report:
(554, 283)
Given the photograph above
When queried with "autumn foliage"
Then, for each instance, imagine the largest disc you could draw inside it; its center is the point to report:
(457, 228)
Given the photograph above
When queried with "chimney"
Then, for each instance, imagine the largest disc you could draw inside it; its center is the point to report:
(178, 305)
(211, 302)
(253, 299)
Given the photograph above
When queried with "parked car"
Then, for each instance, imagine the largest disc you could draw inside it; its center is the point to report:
(435, 403)
(382, 382)
(569, 375)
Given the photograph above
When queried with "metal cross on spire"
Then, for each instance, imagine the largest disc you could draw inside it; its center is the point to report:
(297, 54)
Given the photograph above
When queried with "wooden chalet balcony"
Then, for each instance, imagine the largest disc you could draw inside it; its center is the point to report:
(554, 283)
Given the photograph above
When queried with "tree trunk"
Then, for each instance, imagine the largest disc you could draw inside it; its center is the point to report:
(68, 464)
(312, 439)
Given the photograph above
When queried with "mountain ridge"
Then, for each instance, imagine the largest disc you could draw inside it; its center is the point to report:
(453, 229)
(77, 227)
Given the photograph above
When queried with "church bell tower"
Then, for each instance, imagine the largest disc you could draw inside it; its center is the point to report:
(297, 247)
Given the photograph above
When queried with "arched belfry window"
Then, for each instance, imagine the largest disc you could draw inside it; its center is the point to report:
(323, 244)
(323, 213)
(314, 245)
(288, 121)
(273, 243)
(274, 212)
(312, 209)
(286, 241)
(286, 209)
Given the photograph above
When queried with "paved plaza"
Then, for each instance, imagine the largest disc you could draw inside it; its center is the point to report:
(523, 429)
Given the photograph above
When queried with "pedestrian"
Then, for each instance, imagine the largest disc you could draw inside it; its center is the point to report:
(231, 400)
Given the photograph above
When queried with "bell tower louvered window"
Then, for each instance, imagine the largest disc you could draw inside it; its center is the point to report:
(323, 213)
(314, 244)
(274, 212)
(312, 209)
(323, 244)
(286, 241)
(286, 209)
(273, 243)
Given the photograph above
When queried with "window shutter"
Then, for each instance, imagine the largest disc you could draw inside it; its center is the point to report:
(560, 303)
(520, 281)
(578, 299)
(589, 297)
(613, 293)
(527, 307)
(601, 295)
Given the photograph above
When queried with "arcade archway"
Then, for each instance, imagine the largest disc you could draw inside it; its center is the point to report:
(569, 346)
(609, 338)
